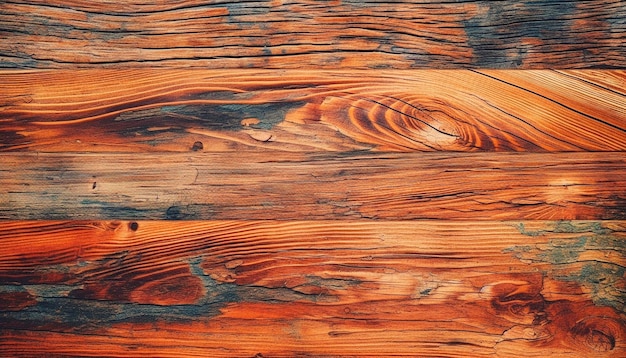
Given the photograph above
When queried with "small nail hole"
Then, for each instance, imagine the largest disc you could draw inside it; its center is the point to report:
(197, 146)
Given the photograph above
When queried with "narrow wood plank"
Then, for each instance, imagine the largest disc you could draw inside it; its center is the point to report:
(292, 186)
(307, 33)
(233, 110)
(318, 288)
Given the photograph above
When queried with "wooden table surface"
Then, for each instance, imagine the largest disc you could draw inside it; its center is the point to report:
(312, 178)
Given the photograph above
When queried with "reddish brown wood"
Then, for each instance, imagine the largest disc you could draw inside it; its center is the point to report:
(293, 129)
(235, 110)
(350, 288)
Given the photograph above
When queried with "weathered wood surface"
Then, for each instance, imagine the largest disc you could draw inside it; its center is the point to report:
(318, 34)
(234, 110)
(313, 288)
(292, 186)
(372, 178)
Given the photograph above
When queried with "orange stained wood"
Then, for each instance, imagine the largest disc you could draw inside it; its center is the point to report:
(186, 178)
(246, 288)
(234, 110)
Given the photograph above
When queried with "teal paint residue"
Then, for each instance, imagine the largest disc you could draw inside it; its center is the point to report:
(569, 227)
(229, 116)
(563, 251)
(72, 311)
(602, 280)
(522, 229)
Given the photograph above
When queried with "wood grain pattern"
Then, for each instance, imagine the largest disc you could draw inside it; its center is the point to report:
(292, 186)
(305, 33)
(227, 110)
(242, 178)
(300, 288)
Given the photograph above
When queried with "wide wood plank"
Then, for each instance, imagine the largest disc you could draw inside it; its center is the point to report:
(292, 186)
(232, 110)
(306, 33)
(319, 288)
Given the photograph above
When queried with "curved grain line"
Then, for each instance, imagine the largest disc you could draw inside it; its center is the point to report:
(398, 111)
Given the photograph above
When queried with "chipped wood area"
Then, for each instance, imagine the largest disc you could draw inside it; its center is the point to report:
(246, 288)
(235, 110)
(332, 34)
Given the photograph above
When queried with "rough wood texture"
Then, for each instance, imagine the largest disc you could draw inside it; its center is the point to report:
(312, 288)
(329, 34)
(234, 110)
(269, 185)
(370, 177)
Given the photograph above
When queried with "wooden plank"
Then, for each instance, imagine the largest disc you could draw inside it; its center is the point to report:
(232, 110)
(318, 288)
(331, 34)
(292, 186)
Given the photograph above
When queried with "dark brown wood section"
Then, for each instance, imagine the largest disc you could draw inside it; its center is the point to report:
(190, 178)
(315, 34)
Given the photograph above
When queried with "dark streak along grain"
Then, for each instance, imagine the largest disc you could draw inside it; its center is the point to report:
(171, 110)
(291, 186)
(611, 81)
(316, 288)
(277, 34)
(602, 105)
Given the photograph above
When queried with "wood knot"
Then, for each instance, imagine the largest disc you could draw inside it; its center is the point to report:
(110, 225)
(596, 333)
(520, 302)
